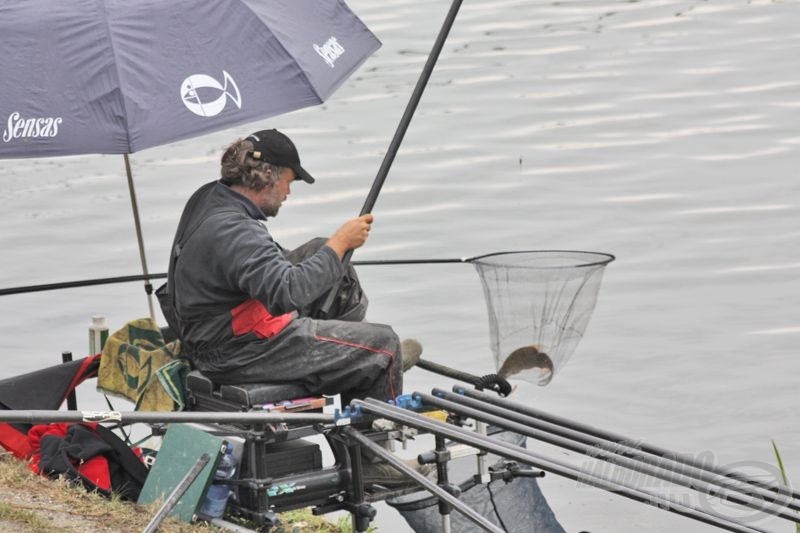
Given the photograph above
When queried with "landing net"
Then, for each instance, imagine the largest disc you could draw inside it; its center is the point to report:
(539, 304)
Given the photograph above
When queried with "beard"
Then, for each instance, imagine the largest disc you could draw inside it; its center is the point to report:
(271, 204)
(270, 210)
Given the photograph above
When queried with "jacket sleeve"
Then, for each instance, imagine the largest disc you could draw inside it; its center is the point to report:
(261, 271)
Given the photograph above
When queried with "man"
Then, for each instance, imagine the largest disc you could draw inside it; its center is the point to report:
(243, 306)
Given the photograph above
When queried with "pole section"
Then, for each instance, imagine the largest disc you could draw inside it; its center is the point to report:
(394, 146)
(399, 133)
(553, 466)
(625, 448)
(608, 435)
(738, 495)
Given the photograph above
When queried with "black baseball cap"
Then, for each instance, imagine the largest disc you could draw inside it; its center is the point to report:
(272, 146)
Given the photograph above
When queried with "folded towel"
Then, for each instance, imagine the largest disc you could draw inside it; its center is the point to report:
(139, 365)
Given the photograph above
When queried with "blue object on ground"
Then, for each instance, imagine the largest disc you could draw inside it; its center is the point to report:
(216, 499)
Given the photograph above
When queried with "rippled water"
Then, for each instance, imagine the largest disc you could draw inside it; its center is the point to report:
(663, 132)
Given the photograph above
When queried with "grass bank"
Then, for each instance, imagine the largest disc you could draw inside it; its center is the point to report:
(33, 503)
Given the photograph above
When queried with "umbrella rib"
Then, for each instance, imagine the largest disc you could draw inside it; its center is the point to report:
(294, 61)
(131, 190)
(102, 5)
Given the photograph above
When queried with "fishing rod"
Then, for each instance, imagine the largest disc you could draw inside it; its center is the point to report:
(500, 418)
(523, 455)
(603, 448)
(625, 448)
(610, 436)
(399, 133)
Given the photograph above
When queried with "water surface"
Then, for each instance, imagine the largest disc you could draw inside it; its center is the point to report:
(664, 132)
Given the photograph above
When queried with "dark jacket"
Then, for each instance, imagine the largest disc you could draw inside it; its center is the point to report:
(233, 287)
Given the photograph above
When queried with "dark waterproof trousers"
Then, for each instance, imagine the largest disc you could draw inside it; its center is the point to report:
(342, 355)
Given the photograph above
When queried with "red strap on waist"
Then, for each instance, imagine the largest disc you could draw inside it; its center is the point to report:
(252, 316)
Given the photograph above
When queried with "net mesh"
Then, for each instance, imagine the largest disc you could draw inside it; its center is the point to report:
(539, 305)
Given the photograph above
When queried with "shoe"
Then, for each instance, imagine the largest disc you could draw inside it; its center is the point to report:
(410, 350)
(385, 475)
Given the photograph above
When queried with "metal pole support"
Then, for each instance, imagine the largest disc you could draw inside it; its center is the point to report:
(72, 400)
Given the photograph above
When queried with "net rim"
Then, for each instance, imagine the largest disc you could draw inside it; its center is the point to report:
(606, 258)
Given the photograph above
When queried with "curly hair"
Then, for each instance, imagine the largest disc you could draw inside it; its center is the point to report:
(237, 167)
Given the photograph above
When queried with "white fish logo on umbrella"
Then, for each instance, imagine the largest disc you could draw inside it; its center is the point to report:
(198, 89)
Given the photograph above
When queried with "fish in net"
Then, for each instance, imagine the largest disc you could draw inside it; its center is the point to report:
(539, 305)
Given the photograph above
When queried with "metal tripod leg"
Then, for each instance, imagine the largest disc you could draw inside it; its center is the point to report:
(424, 482)
(441, 476)
(361, 512)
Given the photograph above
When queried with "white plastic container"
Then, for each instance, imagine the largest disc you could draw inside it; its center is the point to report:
(98, 334)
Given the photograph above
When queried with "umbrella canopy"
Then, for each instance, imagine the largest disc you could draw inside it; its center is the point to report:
(115, 76)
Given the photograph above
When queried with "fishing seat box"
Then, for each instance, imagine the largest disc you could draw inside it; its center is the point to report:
(275, 454)
(205, 395)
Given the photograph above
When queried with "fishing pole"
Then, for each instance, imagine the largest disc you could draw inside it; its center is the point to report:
(523, 455)
(626, 449)
(739, 495)
(608, 435)
(399, 133)
(605, 449)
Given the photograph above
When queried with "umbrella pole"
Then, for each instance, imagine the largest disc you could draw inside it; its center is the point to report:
(148, 287)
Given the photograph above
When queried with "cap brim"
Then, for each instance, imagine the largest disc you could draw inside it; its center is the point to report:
(301, 174)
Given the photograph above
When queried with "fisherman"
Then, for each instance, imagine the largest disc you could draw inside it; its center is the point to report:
(248, 311)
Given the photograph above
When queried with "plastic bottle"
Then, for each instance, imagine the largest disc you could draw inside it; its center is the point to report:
(217, 496)
(98, 334)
